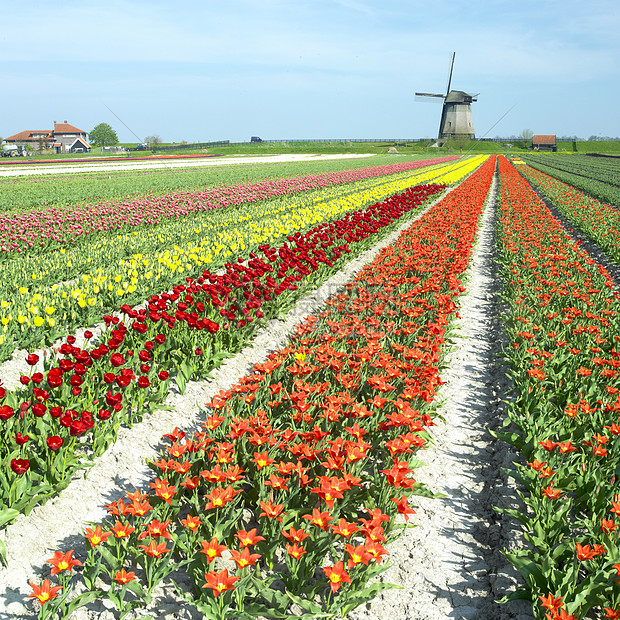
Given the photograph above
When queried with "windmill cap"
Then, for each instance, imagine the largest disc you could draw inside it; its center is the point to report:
(458, 96)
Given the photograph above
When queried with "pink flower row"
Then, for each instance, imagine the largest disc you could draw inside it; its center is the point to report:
(19, 231)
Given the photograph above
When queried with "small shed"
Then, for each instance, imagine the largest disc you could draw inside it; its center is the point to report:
(544, 143)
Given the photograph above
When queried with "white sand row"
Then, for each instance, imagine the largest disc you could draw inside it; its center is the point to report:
(34, 169)
(449, 565)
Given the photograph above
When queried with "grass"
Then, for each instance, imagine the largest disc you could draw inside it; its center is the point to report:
(611, 147)
(338, 147)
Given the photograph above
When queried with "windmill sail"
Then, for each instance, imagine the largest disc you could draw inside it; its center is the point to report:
(450, 72)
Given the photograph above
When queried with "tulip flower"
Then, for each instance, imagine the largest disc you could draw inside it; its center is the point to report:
(337, 575)
(219, 582)
(62, 562)
(45, 592)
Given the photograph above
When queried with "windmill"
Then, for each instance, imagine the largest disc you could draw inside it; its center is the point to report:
(456, 121)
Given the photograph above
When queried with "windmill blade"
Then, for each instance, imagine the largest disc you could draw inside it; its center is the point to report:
(428, 97)
(450, 74)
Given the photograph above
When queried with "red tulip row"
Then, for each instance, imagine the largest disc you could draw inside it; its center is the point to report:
(562, 324)
(72, 411)
(299, 470)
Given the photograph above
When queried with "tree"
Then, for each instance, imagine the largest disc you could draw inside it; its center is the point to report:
(103, 135)
(525, 136)
(43, 144)
(153, 140)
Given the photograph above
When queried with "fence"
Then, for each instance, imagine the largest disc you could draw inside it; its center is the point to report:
(114, 149)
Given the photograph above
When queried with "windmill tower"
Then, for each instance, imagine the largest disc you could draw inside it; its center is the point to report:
(456, 120)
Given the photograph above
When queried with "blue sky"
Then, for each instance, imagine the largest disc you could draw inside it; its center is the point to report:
(285, 69)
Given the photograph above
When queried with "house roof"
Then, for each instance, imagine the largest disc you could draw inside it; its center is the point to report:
(59, 129)
(458, 96)
(27, 135)
(66, 128)
(82, 141)
(543, 139)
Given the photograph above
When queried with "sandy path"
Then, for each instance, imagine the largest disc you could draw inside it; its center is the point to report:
(450, 565)
(33, 169)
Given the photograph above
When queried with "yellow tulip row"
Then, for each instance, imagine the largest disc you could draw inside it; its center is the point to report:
(103, 275)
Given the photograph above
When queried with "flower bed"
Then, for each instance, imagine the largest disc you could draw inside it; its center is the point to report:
(562, 326)
(597, 220)
(50, 227)
(73, 410)
(300, 469)
(599, 177)
(44, 295)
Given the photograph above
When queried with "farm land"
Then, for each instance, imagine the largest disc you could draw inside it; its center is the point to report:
(220, 388)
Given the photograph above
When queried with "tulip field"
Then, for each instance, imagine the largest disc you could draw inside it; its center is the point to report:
(300, 477)
(70, 266)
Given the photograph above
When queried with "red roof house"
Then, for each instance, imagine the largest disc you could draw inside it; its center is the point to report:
(64, 138)
(544, 143)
